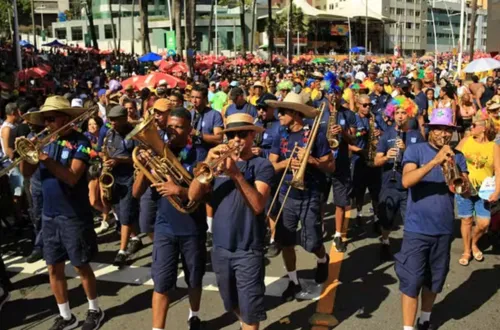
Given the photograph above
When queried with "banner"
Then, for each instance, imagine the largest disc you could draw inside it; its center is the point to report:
(339, 30)
(171, 42)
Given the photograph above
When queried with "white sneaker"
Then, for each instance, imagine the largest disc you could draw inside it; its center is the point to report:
(103, 228)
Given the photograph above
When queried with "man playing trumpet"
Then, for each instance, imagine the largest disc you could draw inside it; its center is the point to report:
(238, 198)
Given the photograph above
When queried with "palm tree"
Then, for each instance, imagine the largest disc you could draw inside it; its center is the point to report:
(133, 27)
(119, 23)
(270, 32)
(210, 21)
(178, 26)
(472, 28)
(189, 21)
(242, 26)
(252, 35)
(146, 45)
(113, 32)
(90, 17)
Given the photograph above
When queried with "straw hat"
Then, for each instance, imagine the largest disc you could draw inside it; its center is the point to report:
(241, 122)
(53, 103)
(258, 84)
(295, 102)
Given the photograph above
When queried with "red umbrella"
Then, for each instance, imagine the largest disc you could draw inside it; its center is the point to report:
(32, 73)
(257, 60)
(239, 62)
(164, 66)
(4, 86)
(134, 81)
(152, 80)
(179, 67)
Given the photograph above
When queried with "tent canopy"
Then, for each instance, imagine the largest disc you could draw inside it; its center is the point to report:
(308, 10)
(54, 43)
(357, 10)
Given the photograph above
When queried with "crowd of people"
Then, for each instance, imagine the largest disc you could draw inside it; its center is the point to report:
(227, 145)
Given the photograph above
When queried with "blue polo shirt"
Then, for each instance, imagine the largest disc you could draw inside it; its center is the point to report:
(61, 199)
(102, 134)
(119, 147)
(379, 102)
(347, 120)
(205, 122)
(314, 178)
(245, 108)
(388, 141)
(169, 220)
(272, 130)
(430, 208)
(235, 226)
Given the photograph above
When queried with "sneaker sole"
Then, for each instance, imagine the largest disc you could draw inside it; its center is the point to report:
(4, 301)
(72, 326)
(100, 320)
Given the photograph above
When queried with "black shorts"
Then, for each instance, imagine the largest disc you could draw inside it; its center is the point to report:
(342, 189)
(366, 177)
(166, 251)
(124, 204)
(391, 202)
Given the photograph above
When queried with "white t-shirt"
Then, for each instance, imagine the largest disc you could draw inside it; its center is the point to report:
(2, 152)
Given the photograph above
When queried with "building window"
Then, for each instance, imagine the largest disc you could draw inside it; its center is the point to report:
(76, 33)
(417, 13)
(410, 12)
(230, 40)
(108, 34)
(429, 35)
(417, 39)
(408, 25)
(417, 26)
(409, 38)
(400, 11)
(61, 33)
(392, 10)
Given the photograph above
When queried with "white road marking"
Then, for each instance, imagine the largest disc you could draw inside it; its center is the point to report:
(142, 276)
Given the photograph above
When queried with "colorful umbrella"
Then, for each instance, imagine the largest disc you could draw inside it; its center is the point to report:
(35, 73)
(150, 57)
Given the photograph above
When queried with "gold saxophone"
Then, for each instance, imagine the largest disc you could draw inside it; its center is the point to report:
(106, 179)
(160, 163)
(372, 144)
(333, 140)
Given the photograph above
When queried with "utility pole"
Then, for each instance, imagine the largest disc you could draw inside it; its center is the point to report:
(33, 21)
(366, 26)
(16, 36)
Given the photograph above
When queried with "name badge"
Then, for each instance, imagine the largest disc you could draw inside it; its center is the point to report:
(65, 154)
(413, 139)
(265, 136)
(342, 122)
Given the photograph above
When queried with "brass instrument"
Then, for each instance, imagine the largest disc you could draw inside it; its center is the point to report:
(398, 158)
(161, 164)
(106, 179)
(333, 140)
(453, 177)
(205, 172)
(297, 181)
(372, 143)
(28, 150)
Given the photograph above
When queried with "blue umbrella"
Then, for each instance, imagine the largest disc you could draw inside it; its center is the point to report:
(24, 43)
(55, 44)
(358, 49)
(150, 57)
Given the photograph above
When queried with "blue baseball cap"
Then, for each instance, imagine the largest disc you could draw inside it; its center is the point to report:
(101, 92)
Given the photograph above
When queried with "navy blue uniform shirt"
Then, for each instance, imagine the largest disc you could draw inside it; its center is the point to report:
(246, 108)
(119, 147)
(347, 120)
(272, 130)
(379, 102)
(61, 199)
(363, 132)
(205, 123)
(235, 226)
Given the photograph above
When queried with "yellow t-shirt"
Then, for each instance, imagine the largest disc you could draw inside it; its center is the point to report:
(369, 84)
(479, 158)
(253, 99)
(347, 95)
(388, 89)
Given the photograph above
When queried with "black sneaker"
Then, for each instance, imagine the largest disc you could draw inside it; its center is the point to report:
(273, 250)
(322, 270)
(62, 324)
(194, 323)
(339, 244)
(290, 292)
(210, 238)
(35, 255)
(93, 319)
(121, 260)
(4, 297)
(385, 252)
(425, 326)
(358, 223)
(134, 245)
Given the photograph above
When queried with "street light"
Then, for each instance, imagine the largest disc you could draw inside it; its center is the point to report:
(41, 14)
(435, 37)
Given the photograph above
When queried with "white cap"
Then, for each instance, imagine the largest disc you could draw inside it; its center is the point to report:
(360, 75)
(162, 82)
(77, 103)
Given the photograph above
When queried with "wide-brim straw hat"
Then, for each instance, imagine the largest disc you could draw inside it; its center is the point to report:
(241, 122)
(53, 103)
(295, 102)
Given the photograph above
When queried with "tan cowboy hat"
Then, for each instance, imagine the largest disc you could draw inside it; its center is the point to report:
(295, 102)
(53, 103)
(258, 84)
(241, 122)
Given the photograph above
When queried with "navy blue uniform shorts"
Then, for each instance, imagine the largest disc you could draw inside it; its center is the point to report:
(391, 202)
(166, 251)
(342, 188)
(307, 212)
(124, 204)
(423, 261)
(365, 177)
(147, 215)
(68, 238)
(240, 278)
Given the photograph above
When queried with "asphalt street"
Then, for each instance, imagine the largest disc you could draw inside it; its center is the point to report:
(367, 296)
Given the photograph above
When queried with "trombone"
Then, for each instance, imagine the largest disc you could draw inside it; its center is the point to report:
(297, 181)
(28, 150)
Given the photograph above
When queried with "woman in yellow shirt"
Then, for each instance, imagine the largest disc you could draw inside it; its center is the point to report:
(478, 149)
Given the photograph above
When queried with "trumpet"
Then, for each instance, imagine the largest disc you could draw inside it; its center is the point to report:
(452, 177)
(205, 172)
(28, 150)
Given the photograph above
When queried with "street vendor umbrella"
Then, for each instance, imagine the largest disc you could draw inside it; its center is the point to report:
(358, 49)
(150, 57)
(152, 80)
(319, 60)
(25, 44)
(482, 64)
(32, 73)
(54, 44)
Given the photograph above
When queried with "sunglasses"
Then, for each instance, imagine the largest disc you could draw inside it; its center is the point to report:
(50, 119)
(364, 105)
(283, 112)
(240, 134)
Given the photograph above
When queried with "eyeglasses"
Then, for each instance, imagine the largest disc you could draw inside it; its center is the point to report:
(240, 134)
(364, 105)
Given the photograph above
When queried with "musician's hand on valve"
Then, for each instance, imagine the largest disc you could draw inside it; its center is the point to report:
(445, 154)
(336, 129)
(215, 152)
(377, 132)
(392, 153)
(400, 144)
(168, 188)
(295, 164)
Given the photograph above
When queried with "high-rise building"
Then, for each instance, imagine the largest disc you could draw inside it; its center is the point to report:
(493, 37)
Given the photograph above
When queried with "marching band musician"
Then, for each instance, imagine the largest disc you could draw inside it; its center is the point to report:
(119, 150)
(345, 129)
(390, 149)
(68, 231)
(424, 259)
(240, 105)
(239, 198)
(301, 205)
(269, 122)
(176, 233)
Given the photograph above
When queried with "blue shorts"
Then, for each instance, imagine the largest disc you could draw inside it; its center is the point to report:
(307, 212)
(342, 188)
(240, 278)
(364, 177)
(16, 182)
(147, 215)
(467, 207)
(166, 251)
(125, 205)
(391, 202)
(68, 238)
(423, 261)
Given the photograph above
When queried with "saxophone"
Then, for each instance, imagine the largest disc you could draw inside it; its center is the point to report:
(106, 179)
(372, 144)
(333, 140)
